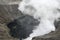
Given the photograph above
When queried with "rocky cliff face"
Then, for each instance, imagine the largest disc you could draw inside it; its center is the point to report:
(9, 2)
(9, 12)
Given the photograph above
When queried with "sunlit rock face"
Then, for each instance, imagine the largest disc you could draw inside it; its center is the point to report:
(46, 11)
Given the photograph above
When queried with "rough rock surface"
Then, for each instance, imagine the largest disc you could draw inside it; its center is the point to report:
(4, 33)
(9, 2)
(9, 11)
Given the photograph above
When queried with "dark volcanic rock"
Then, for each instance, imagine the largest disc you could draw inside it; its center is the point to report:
(23, 26)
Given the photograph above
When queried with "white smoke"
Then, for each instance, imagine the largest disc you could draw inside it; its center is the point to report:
(46, 10)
